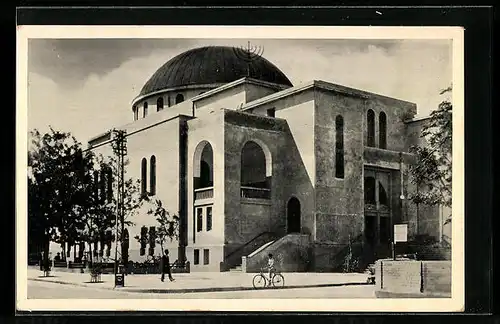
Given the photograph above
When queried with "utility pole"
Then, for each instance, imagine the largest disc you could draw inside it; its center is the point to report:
(120, 149)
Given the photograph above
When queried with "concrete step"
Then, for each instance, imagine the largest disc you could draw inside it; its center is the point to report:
(235, 269)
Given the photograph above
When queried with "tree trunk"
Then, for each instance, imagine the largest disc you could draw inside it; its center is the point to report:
(46, 246)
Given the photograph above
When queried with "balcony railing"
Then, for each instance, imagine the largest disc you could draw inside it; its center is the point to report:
(373, 208)
(204, 193)
(259, 193)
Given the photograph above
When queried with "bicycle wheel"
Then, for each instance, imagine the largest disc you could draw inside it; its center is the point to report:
(278, 280)
(259, 281)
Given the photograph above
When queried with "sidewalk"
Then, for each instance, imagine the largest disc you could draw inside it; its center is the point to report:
(199, 281)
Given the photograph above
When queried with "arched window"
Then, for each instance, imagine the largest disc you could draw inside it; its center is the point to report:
(152, 176)
(339, 147)
(382, 195)
(144, 174)
(255, 172)
(159, 104)
(370, 120)
(204, 166)
(136, 112)
(179, 98)
(382, 129)
(370, 191)
(145, 111)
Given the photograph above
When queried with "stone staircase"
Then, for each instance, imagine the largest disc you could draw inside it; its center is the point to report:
(236, 268)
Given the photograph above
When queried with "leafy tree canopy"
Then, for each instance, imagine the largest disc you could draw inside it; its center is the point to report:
(433, 171)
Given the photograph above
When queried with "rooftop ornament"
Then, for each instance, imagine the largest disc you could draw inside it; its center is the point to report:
(248, 54)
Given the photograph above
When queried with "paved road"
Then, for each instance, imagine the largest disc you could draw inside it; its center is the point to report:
(44, 290)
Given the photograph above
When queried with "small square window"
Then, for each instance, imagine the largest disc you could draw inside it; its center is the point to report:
(271, 112)
(206, 256)
(196, 257)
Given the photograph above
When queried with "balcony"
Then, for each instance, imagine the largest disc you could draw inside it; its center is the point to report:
(372, 208)
(204, 193)
(257, 193)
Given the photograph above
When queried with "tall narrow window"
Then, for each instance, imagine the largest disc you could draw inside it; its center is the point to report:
(102, 186)
(179, 98)
(209, 218)
(136, 112)
(382, 129)
(196, 256)
(370, 190)
(152, 175)
(339, 147)
(159, 104)
(145, 111)
(370, 120)
(144, 174)
(110, 185)
(168, 101)
(199, 219)
(206, 256)
(96, 185)
(271, 112)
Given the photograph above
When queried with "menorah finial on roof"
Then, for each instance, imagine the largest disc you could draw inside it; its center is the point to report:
(248, 54)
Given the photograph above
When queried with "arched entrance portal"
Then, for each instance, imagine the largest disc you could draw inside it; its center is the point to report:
(293, 215)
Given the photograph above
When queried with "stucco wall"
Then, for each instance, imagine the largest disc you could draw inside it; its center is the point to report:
(245, 218)
(207, 129)
(161, 141)
(339, 202)
(152, 100)
(254, 92)
(299, 152)
(413, 278)
(397, 112)
(228, 99)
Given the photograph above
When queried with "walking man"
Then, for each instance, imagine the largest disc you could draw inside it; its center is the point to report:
(165, 267)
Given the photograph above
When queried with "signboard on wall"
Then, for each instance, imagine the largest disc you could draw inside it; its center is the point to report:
(400, 233)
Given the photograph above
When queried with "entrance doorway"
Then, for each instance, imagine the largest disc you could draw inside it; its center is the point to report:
(293, 215)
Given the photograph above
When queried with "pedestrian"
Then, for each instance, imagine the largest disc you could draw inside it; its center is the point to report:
(57, 258)
(165, 267)
(270, 267)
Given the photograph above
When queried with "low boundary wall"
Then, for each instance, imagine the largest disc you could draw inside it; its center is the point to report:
(413, 279)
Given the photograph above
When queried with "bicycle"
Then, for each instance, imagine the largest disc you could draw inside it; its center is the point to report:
(260, 280)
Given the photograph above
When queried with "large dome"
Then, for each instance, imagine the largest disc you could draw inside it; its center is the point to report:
(211, 65)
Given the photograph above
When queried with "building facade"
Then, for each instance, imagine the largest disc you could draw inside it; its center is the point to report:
(254, 165)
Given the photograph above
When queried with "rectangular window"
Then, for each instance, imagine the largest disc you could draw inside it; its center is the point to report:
(209, 218)
(206, 256)
(199, 219)
(271, 112)
(196, 257)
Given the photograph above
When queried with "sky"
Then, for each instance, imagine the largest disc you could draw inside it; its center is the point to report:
(85, 86)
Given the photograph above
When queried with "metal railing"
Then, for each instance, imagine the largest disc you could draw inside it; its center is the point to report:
(252, 192)
(204, 193)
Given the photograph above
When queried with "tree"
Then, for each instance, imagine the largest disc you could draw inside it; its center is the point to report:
(54, 188)
(432, 173)
(100, 215)
(167, 228)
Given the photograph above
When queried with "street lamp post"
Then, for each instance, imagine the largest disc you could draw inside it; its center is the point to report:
(120, 150)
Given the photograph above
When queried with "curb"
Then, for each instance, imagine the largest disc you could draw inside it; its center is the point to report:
(199, 290)
(388, 294)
